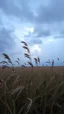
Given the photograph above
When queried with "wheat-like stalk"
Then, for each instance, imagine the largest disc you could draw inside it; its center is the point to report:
(4, 62)
(52, 62)
(26, 49)
(30, 63)
(29, 106)
(27, 55)
(7, 57)
(18, 59)
(3, 87)
(23, 66)
(17, 62)
(38, 59)
(1, 83)
(24, 43)
(58, 58)
(4, 66)
(48, 61)
(26, 46)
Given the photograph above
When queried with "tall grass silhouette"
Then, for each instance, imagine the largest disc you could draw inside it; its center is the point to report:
(21, 94)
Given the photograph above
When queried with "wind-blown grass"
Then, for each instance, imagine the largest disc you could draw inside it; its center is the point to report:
(19, 95)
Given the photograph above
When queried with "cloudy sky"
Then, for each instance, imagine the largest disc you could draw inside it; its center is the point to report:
(39, 23)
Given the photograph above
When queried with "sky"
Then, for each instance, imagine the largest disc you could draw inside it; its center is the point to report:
(39, 23)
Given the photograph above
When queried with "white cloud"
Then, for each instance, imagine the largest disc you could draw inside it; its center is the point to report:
(35, 50)
(29, 29)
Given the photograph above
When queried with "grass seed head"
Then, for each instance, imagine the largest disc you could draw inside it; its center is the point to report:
(26, 49)
(7, 57)
(30, 64)
(24, 43)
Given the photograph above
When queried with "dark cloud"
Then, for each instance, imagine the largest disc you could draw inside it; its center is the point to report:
(22, 10)
(39, 32)
(59, 36)
(9, 8)
(6, 41)
(0, 23)
(26, 11)
(51, 13)
(62, 32)
(52, 16)
(36, 41)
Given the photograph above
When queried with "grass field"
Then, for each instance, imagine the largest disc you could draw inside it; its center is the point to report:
(32, 90)
(37, 73)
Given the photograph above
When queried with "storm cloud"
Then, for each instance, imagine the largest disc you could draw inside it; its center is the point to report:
(18, 8)
(6, 40)
(39, 23)
(51, 13)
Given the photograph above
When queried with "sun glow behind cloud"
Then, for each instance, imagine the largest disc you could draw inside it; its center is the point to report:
(28, 29)
(35, 49)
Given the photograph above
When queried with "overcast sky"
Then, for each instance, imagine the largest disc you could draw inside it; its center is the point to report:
(38, 22)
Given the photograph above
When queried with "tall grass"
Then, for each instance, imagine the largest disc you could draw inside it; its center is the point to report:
(16, 98)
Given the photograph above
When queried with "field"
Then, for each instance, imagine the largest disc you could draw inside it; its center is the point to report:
(37, 90)
(36, 74)
(30, 89)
